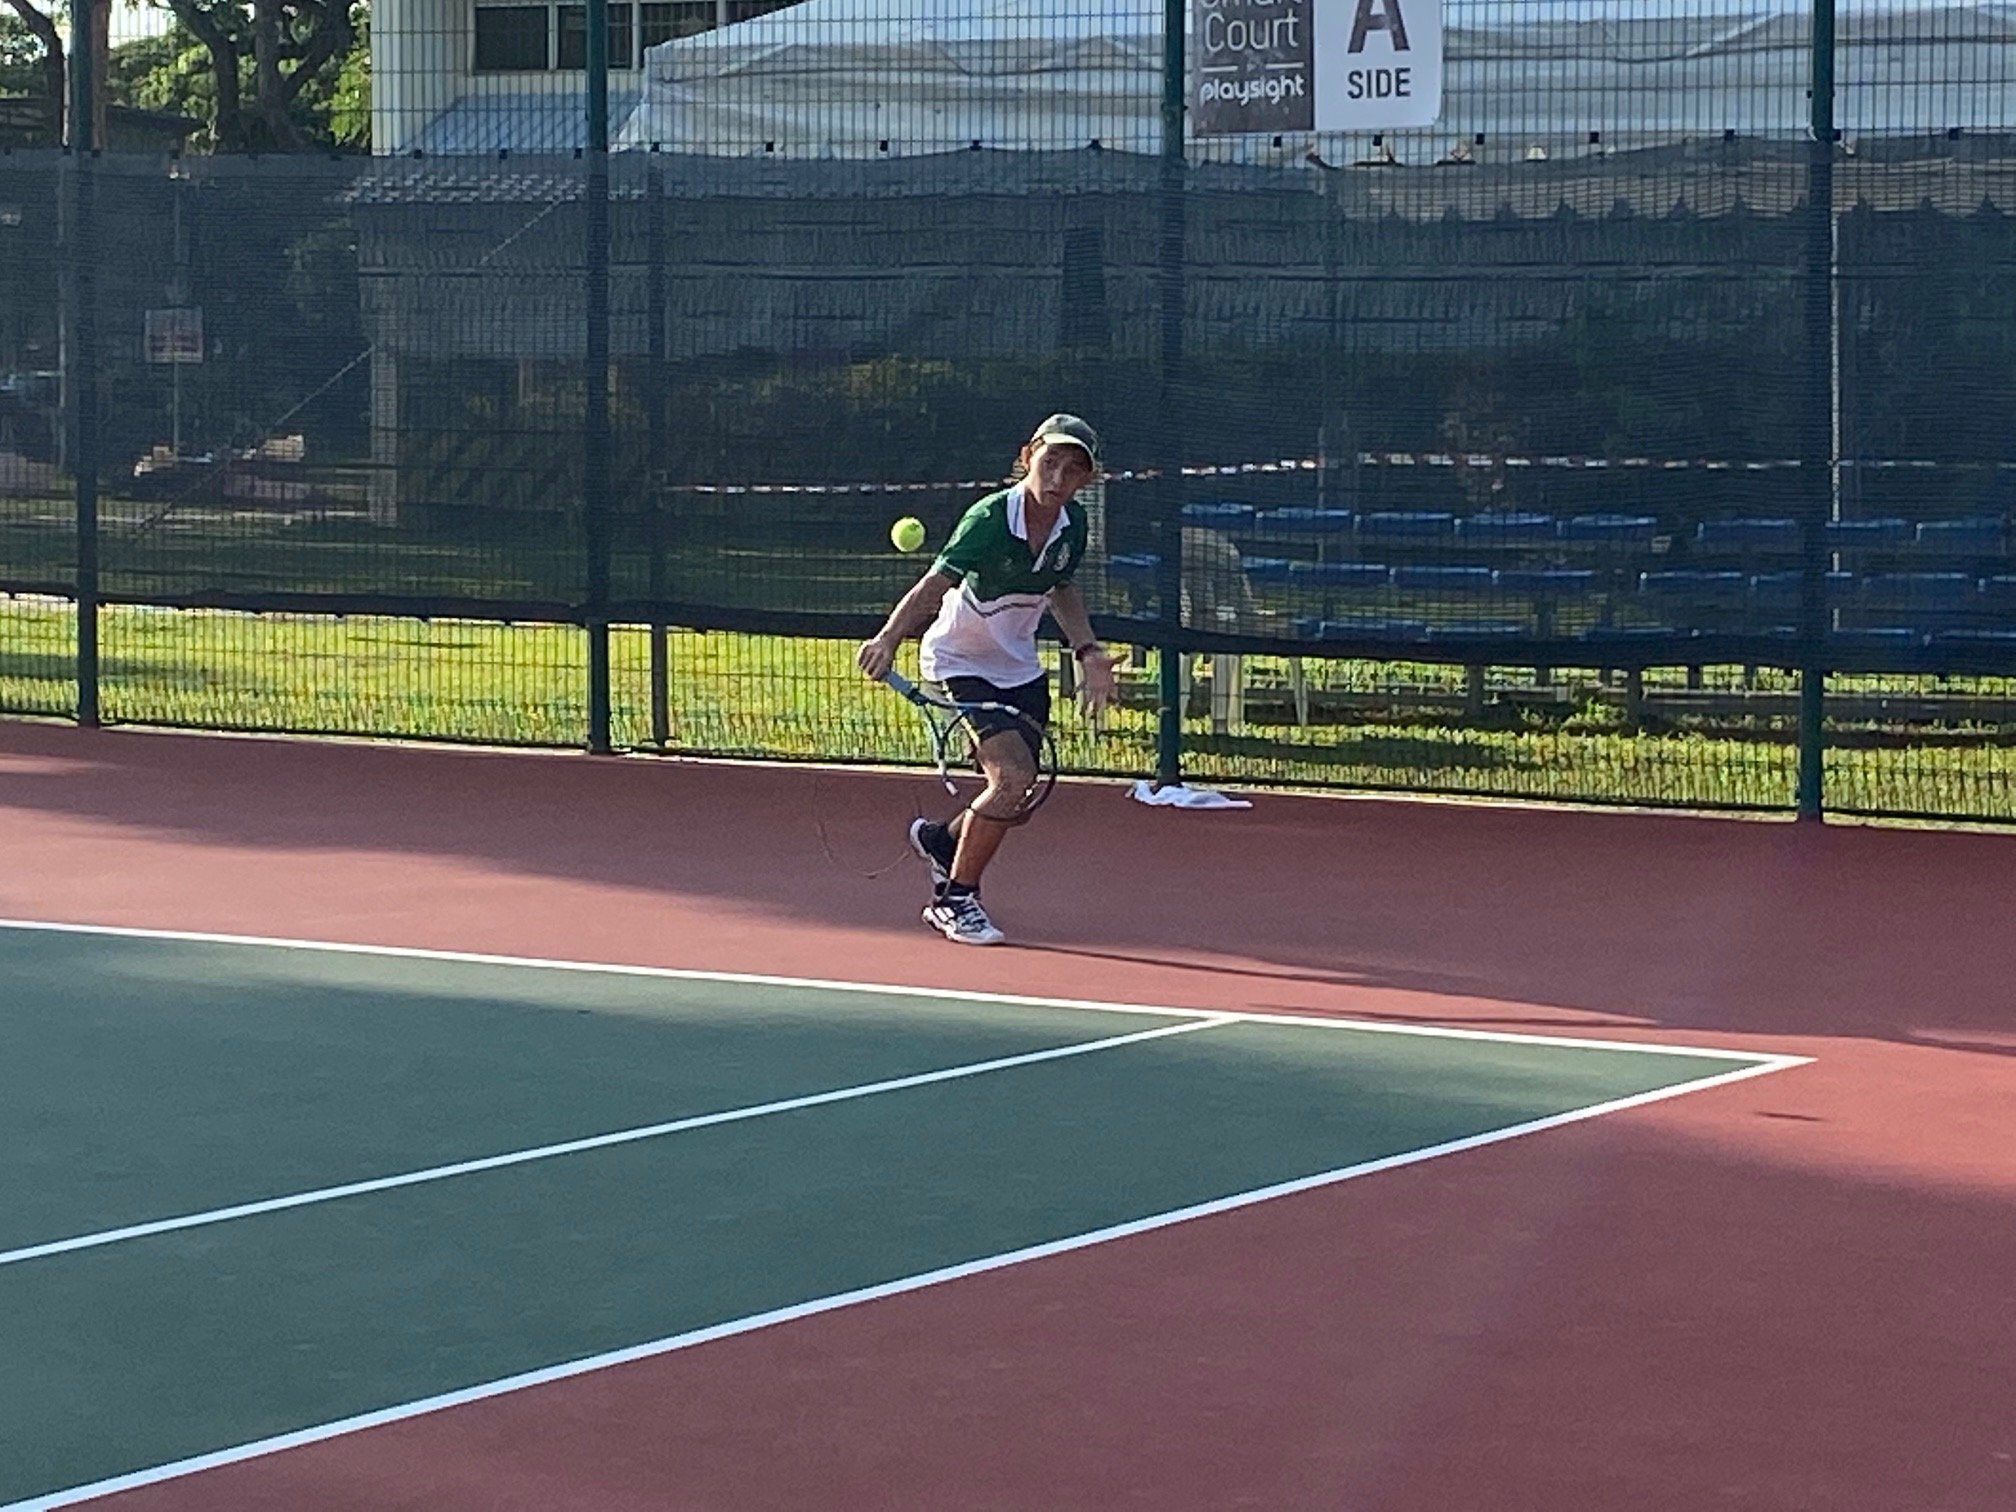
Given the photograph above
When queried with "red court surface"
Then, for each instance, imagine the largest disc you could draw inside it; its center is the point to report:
(1785, 1293)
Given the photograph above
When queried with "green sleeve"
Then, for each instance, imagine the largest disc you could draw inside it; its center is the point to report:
(972, 543)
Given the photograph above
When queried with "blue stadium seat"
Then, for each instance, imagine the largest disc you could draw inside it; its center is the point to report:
(1754, 537)
(1881, 638)
(1910, 591)
(1545, 582)
(1481, 630)
(1782, 590)
(1999, 593)
(1632, 635)
(1269, 570)
(1980, 536)
(1372, 629)
(1615, 532)
(1689, 588)
(1992, 639)
(1464, 580)
(1133, 566)
(1220, 515)
(1402, 525)
(1510, 530)
(1303, 523)
(1339, 574)
(1869, 535)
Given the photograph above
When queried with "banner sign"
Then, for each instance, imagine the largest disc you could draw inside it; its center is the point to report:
(1273, 66)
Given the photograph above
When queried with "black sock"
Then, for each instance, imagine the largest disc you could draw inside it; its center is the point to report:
(959, 890)
(938, 840)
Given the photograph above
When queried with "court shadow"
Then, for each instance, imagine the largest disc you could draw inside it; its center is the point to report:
(1214, 968)
(1569, 917)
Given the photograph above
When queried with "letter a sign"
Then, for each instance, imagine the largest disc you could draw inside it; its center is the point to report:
(1378, 64)
(1322, 65)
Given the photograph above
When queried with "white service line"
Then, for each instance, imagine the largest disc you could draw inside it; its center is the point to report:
(879, 989)
(383, 1416)
(592, 1142)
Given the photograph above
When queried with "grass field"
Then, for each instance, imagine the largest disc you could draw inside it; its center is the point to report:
(1374, 725)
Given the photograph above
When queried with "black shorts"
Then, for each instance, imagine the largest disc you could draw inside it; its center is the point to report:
(1031, 699)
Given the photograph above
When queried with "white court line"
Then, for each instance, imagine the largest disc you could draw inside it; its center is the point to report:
(956, 994)
(425, 1405)
(593, 1142)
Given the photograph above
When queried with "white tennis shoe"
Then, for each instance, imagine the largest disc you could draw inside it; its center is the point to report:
(962, 920)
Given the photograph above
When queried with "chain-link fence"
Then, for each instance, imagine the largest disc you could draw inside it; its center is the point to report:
(1641, 431)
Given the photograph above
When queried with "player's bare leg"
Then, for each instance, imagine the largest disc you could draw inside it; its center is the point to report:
(1010, 770)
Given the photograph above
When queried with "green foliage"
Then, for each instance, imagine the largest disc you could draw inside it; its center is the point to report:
(349, 103)
(169, 72)
(20, 57)
(174, 72)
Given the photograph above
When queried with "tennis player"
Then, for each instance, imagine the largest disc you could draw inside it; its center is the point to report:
(1012, 557)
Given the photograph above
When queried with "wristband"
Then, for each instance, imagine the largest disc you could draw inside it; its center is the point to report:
(1081, 652)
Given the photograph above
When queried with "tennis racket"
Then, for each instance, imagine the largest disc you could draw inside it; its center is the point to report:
(956, 730)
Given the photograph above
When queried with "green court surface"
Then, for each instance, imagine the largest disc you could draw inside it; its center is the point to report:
(251, 1190)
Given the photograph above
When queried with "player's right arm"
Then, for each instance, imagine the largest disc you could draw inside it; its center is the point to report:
(912, 613)
(962, 555)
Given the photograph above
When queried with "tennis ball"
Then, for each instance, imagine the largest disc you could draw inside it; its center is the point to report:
(907, 534)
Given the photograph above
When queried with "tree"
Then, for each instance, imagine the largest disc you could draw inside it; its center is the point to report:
(36, 35)
(322, 101)
(264, 55)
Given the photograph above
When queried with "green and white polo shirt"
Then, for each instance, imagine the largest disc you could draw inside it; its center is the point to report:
(986, 627)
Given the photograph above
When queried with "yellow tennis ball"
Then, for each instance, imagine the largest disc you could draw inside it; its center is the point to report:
(907, 534)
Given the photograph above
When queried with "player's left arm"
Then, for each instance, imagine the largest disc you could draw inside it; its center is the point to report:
(1067, 607)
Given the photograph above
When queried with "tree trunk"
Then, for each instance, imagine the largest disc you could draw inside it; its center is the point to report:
(101, 69)
(269, 105)
(229, 127)
(330, 34)
(55, 76)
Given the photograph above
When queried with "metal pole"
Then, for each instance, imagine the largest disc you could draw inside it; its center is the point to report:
(657, 464)
(595, 418)
(83, 351)
(1169, 487)
(1816, 452)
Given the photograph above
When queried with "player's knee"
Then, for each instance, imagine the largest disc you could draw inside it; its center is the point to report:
(1000, 808)
(1009, 781)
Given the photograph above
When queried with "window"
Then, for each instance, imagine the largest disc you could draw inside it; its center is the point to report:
(540, 38)
(682, 18)
(512, 38)
(574, 36)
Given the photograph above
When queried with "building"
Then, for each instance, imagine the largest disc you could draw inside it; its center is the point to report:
(488, 76)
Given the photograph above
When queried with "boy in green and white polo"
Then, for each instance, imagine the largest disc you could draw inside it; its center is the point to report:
(987, 629)
(1010, 560)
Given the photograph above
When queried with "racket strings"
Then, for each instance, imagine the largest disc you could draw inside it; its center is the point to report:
(962, 753)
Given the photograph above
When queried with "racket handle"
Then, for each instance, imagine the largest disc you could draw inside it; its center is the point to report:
(901, 684)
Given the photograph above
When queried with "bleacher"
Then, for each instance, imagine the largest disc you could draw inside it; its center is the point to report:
(1601, 589)
(1428, 576)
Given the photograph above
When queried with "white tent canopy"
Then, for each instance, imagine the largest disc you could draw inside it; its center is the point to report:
(872, 78)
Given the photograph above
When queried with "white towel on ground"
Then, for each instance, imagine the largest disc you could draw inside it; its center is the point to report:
(1179, 796)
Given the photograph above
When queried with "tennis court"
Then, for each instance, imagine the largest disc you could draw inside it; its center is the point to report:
(344, 1187)
(396, 1128)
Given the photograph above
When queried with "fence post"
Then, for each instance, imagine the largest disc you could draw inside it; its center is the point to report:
(657, 463)
(1816, 452)
(1169, 484)
(595, 414)
(82, 353)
